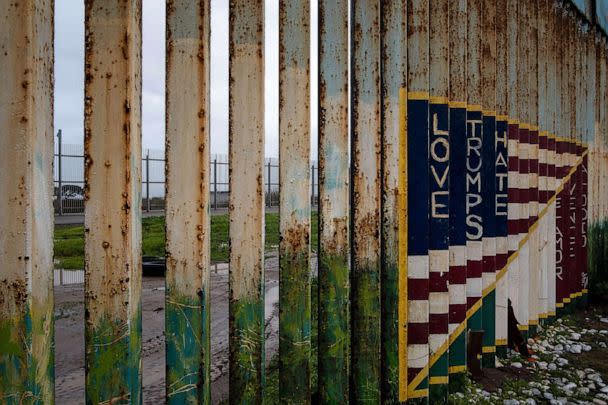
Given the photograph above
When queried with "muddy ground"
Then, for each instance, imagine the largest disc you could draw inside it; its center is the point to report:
(69, 335)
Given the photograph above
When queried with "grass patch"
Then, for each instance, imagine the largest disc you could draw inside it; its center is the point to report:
(69, 239)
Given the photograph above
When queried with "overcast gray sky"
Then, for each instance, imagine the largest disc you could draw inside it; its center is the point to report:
(69, 73)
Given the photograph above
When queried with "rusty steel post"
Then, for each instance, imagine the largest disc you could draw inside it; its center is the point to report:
(458, 127)
(523, 98)
(246, 150)
(552, 120)
(533, 155)
(561, 213)
(26, 214)
(187, 145)
(543, 124)
(501, 185)
(333, 350)
(488, 180)
(294, 204)
(439, 189)
(113, 201)
(474, 163)
(418, 200)
(572, 128)
(514, 210)
(394, 82)
(366, 199)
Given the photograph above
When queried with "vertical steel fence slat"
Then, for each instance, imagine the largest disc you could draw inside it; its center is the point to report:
(187, 316)
(418, 201)
(543, 125)
(334, 335)
(474, 162)
(488, 179)
(439, 186)
(559, 164)
(246, 146)
(533, 155)
(26, 162)
(457, 236)
(294, 205)
(113, 201)
(521, 311)
(365, 201)
(513, 146)
(394, 81)
(552, 104)
(502, 183)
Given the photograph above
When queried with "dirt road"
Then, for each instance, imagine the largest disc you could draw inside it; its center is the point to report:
(69, 335)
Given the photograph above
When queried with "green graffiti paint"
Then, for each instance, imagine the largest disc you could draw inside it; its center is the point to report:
(188, 348)
(246, 325)
(26, 357)
(390, 328)
(294, 329)
(365, 333)
(113, 359)
(334, 338)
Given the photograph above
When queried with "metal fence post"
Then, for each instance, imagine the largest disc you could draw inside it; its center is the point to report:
(295, 326)
(26, 212)
(312, 185)
(333, 350)
(215, 183)
(148, 181)
(269, 203)
(366, 201)
(59, 171)
(113, 240)
(246, 146)
(187, 315)
(394, 300)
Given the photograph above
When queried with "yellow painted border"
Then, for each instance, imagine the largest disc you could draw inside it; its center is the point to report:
(402, 234)
(457, 104)
(438, 380)
(457, 369)
(488, 349)
(415, 95)
(418, 393)
(438, 100)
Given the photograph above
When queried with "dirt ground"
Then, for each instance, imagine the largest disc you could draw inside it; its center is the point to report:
(69, 336)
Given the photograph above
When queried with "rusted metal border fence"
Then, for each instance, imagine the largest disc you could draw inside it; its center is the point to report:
(471, 177)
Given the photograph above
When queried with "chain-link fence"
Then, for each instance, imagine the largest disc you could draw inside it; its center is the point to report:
(69, 178)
